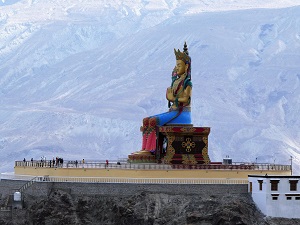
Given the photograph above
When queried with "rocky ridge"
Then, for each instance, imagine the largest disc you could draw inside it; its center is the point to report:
(147, 208)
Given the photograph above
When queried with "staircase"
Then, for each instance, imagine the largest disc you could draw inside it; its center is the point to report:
(28, 184)
(9, 199)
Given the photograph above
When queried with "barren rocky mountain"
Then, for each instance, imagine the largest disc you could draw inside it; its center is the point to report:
(144, 208)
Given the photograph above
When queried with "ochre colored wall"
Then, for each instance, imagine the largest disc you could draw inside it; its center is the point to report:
(130, 173)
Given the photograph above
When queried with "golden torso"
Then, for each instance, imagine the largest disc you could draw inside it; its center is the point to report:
(177, 91)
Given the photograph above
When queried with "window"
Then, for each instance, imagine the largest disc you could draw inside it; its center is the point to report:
(293, 185)
(297, 198)
(288, 198)
(260, 184)
(274, 185)
(275, 196)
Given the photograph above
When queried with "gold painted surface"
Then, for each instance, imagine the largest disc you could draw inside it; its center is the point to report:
(205, 155)
(166, 129)
(189, 159)
(188, 129)
(130, 173)
(188, 144)
(143, 152)
(205, 151)
(170, 149)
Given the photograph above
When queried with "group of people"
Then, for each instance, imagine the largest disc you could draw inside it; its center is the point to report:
(59, 162)
(55, 162)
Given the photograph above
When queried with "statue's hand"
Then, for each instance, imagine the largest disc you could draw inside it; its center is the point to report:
(169, 94)
(174, 107)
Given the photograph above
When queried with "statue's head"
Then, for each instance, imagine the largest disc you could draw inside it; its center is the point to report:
(183, 61)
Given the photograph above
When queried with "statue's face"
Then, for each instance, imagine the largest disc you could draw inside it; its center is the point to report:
(181, 67)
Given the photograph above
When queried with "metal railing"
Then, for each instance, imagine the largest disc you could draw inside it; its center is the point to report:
(153, 166)
(148, 180)
(125, 180)
(28, 184)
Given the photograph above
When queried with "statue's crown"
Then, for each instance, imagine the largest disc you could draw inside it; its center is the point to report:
(184, 56)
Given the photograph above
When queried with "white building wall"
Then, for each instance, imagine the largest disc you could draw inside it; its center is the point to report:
(280, 207)
(259, 197)
(260, 201)
(283, 207)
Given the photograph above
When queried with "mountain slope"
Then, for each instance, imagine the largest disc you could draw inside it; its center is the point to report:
(76, 83)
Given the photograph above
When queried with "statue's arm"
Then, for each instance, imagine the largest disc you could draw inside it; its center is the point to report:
(186, 95)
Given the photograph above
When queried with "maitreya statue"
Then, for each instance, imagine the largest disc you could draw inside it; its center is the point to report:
(179, 97)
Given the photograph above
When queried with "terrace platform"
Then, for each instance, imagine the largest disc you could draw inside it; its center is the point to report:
(130, 170)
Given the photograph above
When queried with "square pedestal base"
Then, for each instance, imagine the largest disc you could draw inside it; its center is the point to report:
(183, 145)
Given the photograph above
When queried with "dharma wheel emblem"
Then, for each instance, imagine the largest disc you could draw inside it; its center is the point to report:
(188, 144)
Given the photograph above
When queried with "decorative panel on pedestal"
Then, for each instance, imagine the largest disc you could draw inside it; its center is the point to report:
(183, 145)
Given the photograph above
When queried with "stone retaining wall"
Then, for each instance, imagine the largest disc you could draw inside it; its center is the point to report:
(43, 188)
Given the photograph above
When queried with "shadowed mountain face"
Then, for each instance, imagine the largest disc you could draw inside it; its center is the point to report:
(76, 79)
(143, 208)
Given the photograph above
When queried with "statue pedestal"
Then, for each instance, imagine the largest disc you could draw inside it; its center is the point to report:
(182, 144)
(142, 157)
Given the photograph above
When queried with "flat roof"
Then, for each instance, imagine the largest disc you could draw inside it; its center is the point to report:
(274, 176)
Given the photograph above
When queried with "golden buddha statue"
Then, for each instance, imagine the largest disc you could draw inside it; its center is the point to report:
(179, 97)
